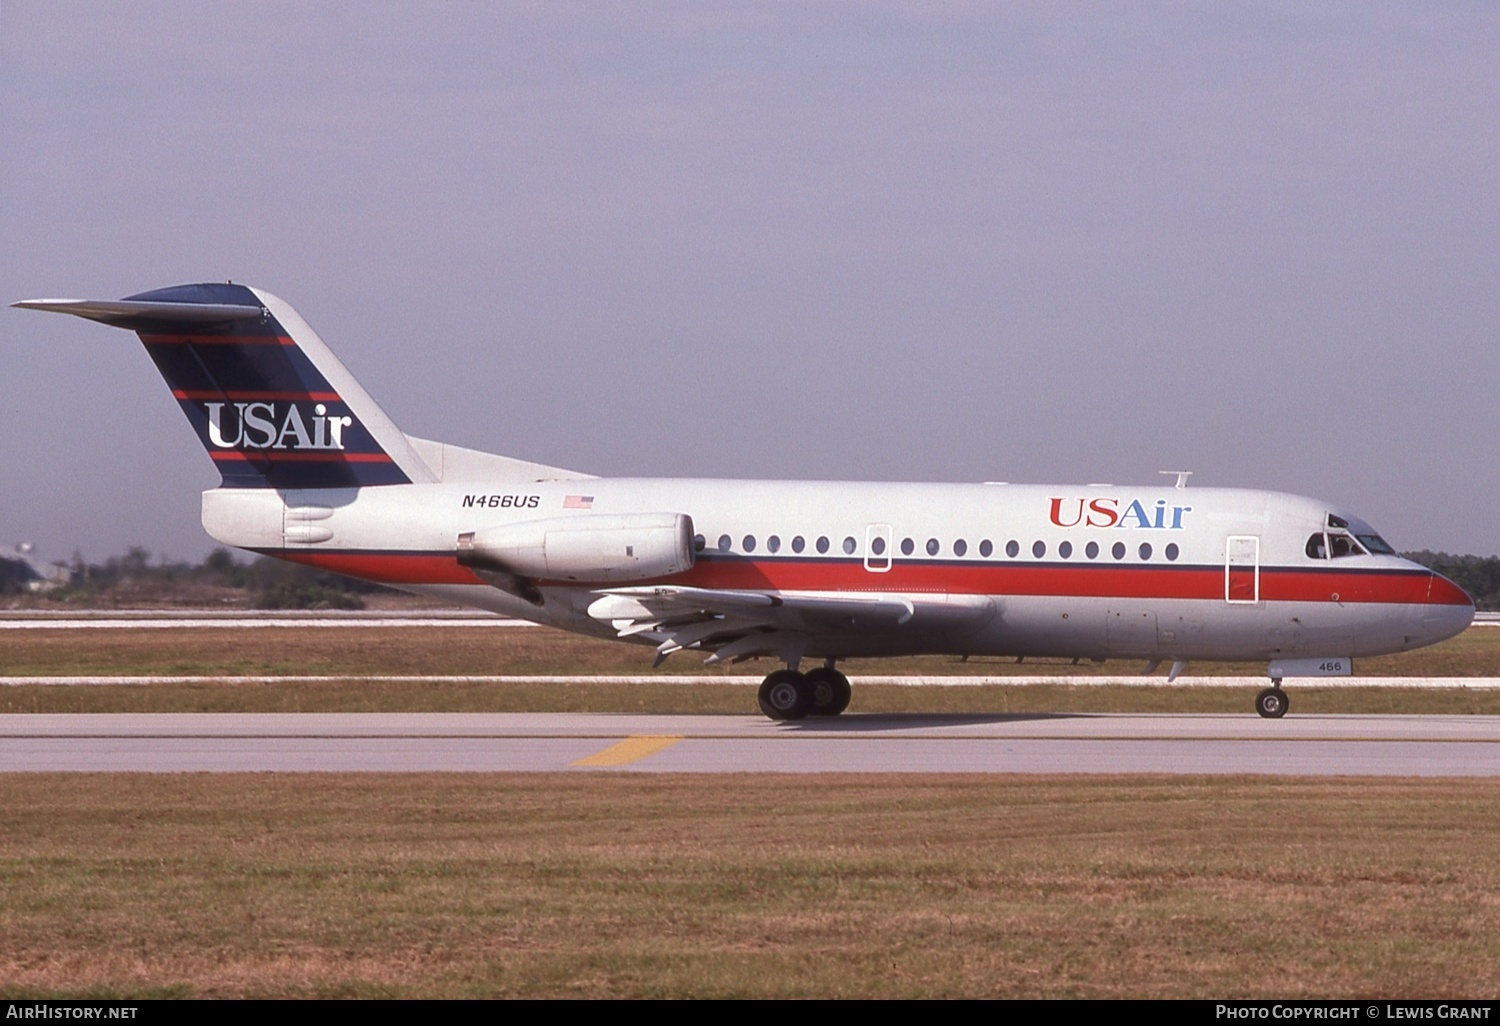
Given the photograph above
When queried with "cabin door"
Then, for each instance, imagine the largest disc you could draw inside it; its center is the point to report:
(1242, 569)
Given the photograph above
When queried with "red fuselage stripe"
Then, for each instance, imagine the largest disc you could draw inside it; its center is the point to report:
(1201, 583)
(218, 340)
(282, 456)
(405, 568)
(311, 397)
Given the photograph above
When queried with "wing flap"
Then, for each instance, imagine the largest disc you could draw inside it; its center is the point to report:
(799, 609)
(737, 624)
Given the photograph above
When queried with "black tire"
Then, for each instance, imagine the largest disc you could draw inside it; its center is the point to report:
(785, 695)
(830, 691)
(1272, 703)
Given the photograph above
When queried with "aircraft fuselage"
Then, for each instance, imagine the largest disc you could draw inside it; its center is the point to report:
(1025, 574)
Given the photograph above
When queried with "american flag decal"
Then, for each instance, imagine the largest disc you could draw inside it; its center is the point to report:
(578, 502)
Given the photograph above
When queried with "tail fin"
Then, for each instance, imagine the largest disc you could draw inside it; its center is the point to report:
(270, 402)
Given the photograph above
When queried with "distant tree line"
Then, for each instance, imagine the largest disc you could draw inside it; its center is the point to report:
(134, 577)
(1477, 575)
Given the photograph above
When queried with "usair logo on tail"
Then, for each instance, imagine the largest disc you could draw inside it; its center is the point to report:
(261, 426)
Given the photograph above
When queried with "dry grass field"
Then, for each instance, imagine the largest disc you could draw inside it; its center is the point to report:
(634, 886)
(489, 651)
(623, 885)
(496, 650)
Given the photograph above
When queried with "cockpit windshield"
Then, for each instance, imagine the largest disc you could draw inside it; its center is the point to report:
(1340, 538)
(1341, 545)
(1338, 545)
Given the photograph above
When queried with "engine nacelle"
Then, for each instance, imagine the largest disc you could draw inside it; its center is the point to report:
(587, 547)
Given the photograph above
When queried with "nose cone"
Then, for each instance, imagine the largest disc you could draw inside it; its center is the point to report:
(1448, 611)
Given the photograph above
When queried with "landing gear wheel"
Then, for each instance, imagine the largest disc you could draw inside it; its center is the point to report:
(1272, 703)
(830, 691)
(785, 695)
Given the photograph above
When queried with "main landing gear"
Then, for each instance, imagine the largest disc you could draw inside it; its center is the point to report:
(1272, 702)
(789, 695)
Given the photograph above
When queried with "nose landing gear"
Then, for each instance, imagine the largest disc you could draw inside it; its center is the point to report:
(1272, 702)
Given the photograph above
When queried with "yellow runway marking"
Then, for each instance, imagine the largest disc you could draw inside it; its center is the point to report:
(629, 750)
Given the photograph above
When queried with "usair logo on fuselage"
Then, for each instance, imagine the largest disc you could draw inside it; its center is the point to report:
(1107, 511)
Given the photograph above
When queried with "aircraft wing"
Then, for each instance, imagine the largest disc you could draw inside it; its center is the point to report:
(737, 624)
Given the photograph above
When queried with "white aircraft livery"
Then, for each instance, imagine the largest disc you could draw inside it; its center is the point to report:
(797, 571)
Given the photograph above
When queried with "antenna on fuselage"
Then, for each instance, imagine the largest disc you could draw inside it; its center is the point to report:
(1182, 476)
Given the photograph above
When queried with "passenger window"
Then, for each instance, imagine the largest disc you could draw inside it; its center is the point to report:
(986, 548)
(749, 543)
(1039, 549)
(1317, 547)
(823, 543)
(1091, 550)
(699, 543)
(877, 545)
(849, 546)
(773, 544)
(960, 547)
(1145, 550)
(907, 546)
(1065, 549)
(1172, 552)
(932, 546)
(1012, 548)
(798, 544)
(724, 543)
(1118, 551)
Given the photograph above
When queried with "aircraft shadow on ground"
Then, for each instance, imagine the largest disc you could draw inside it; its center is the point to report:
(861, 723)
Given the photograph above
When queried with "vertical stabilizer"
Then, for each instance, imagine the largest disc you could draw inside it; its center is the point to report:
(270, 402)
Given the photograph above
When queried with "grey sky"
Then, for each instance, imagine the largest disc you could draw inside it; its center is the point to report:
(1049, 242)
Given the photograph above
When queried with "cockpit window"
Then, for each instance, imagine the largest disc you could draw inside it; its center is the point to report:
(1341, 545)
(1339, 540)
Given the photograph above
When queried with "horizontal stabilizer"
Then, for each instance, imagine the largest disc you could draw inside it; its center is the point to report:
(124, 313)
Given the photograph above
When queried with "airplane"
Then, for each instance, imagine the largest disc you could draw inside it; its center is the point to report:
(313, 471)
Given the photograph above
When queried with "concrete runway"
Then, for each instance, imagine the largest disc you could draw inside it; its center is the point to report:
(173, 619)
(1403, 746)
